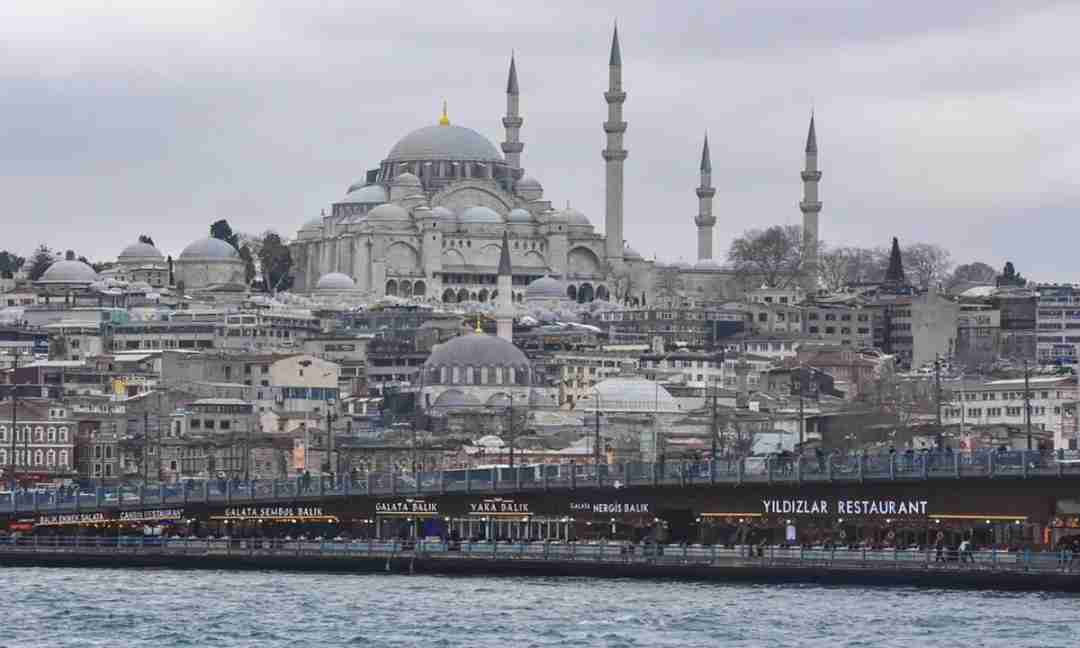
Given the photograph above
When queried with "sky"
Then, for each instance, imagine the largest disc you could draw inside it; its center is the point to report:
(956, 123)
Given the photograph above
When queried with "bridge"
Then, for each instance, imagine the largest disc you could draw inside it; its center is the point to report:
(931, 470)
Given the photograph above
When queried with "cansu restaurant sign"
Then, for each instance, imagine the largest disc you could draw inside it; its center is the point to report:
(844, 507)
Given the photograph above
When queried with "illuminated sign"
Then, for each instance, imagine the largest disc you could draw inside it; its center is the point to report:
(844, 507)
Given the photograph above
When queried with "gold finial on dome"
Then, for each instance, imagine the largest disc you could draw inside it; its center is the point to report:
(445, 119)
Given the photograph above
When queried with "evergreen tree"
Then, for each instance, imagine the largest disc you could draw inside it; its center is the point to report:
(40, 262)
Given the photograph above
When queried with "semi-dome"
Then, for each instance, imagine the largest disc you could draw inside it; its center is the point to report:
(574, 217)
(529, 182)
(481, 214)
(454, 398)
(388, 213)
(519, 215)
(442, 213)
(444, 143)
(140, 250)
(546, 288)
(631, 253)
(69, 272)
(209, 248)
(335, 281)
(477, 350)
(630, 393)
(368, 194)
(406, 180)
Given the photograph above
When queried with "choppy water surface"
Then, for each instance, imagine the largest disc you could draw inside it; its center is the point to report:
(87, 607)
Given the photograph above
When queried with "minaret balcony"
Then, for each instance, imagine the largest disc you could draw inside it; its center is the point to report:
(615, 97)
(705, 192)
(615, 156)
(512, 147)
(702, 221)
(614, 127)
(512, 122)
(810, 206)
(811, 176)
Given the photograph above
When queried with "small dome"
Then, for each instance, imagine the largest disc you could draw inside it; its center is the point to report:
(546, 288)
(335, 281)
(444, 143)
(140, 250)
(575, 218)
(406, 180)
(481, 214)
(631, 253)
(519, 215)
(69, 272)
(442, 213)
(209, 248)
(630, 393)
(356, 185)
(369, 195)
(556, 216)
(388, 213)
(477, 350)
(454, 398)
(529, 182)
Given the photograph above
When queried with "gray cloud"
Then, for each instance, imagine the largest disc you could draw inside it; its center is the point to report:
(947, 122)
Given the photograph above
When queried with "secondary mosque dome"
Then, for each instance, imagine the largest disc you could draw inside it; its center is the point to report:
(209, 248)
(335, 281)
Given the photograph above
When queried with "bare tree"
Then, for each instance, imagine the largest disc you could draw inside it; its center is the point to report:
(927, 264)
(772, 256)
(622, 281)
(841, 266)
(669, 284)
(976, 272)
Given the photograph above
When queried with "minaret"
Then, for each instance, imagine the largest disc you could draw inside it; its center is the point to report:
(705, 219)
(614, 155)
(504, 310)
(512, 121)
(811, 207)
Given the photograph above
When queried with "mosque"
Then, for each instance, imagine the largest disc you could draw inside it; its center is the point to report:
(427, 222)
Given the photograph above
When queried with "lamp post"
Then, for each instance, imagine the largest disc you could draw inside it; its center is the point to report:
(1027, 403)
(14, 419)
(596, 439)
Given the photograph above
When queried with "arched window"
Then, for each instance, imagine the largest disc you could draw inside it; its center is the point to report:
(64, 459)
(39, 457)
(39, 434)
(50, 458)
(391, 288)
(63, 434)
(3, 434)
(52, 434)
(3, 458)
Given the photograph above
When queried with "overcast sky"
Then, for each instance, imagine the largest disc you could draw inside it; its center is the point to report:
(945, 121)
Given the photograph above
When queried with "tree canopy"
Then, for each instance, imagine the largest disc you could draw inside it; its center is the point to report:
(10, 262)
(275, 261)
(145, 238)
(40, 261)
(772, 256)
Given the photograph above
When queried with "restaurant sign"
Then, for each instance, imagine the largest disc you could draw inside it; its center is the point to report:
(71, 518)
(407, 507)
(499, 506)
(844, 507)
(609, 508)
(274, 512)
(153, 515)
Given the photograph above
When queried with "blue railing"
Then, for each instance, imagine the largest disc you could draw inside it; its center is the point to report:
(614, 552)
(771, 469)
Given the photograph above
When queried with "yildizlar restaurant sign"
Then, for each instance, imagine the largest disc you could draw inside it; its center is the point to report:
(844, 507)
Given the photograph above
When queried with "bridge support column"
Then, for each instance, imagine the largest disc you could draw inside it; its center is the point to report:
(862, 464)
(740, 471)
(956, 464)
(1024, 460)
(142, 494)
(798, 469)
(892, 466)
(468, 480)
(442, 482)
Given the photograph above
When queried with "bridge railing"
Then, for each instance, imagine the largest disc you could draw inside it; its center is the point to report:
(725, 470)
(922, 559)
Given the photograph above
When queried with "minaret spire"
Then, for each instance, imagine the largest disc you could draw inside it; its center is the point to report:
(811, 208)
(705, 219)
(512, 122)
(504, 314)
(614, 154)
(445, 119)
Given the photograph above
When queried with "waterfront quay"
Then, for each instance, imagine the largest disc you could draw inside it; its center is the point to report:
(983, 569)
(1000, 501)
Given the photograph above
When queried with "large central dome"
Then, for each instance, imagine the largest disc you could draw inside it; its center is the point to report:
(447, 142)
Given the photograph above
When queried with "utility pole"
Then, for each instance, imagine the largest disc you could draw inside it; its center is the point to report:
(937, 389)
(1027, 403)
(802, 410)
(596, 449)
(510, 429)
(715, 420)
(14, 418)
(146, 446)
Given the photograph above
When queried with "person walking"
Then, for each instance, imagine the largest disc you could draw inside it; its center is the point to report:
(939, 547)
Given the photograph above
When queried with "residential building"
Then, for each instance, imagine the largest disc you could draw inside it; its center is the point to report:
(37, 440)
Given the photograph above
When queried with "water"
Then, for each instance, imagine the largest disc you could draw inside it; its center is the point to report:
(93, 607)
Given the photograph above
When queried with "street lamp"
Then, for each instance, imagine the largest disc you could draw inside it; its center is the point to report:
(596, 442)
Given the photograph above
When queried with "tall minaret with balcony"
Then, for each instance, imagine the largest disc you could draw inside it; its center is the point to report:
(504, 309)
(614, 155)
(512, 122)
(705, 219)
(811, 207)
